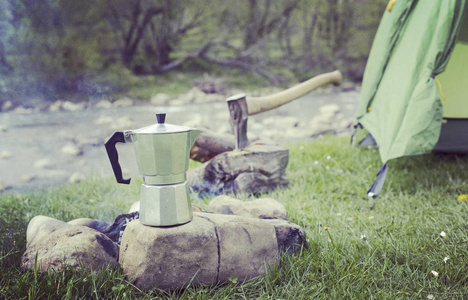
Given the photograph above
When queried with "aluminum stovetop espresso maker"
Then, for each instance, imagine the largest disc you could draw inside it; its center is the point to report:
(162, 153)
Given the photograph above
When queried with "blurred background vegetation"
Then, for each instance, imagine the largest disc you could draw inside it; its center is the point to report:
(58, 48)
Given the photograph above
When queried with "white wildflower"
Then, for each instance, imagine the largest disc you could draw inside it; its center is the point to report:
(435, 273)
(446, 259)
(442, 234)
(316, 162)
(430, 296)
(328, 157)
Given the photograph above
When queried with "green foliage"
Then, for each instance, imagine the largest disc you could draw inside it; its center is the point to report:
(54, 48)
(358, 248)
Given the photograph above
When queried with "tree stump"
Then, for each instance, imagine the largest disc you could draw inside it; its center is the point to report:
(258, 168)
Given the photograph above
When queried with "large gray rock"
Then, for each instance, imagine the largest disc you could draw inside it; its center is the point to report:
(290, 237)
(208, 250)
(77, 247)
(42, 225)
(91, 223)
(263, 208)
(259, 168)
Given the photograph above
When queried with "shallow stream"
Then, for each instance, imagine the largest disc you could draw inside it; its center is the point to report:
(36, 149)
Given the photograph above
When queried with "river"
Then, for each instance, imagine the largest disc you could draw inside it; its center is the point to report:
(45, 149)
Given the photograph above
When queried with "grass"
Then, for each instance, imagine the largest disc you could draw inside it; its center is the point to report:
(177, 83)
(358, 248)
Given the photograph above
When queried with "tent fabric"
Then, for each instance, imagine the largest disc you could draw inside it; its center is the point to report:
(453, 82)
(453, 137)
(400, 101)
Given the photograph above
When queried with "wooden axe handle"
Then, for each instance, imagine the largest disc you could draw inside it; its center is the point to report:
(260, 104)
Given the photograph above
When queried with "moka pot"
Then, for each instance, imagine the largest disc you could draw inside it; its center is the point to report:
(162, 153)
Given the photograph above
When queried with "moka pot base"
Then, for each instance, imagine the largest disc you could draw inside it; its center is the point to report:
(165, 205)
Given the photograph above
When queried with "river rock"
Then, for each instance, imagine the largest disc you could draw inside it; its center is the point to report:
(27, 178)
(6, 155)
(123, 102)
(259, 168)
(329, 120)
(286, 122)
(56, 106)
(70, 106)
(7, 105)
(192, 96)
(76, 177)
(123, 122)
(5, 186)
(104, 120)
(213, 98)
(208, 250)
(263, 208)
(23, 110)
(329, 109)
(77, 247)
(104, 104)
(160, 99)
(43, 163)
(71, 149)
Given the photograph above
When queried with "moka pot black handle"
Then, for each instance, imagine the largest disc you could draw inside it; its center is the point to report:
(117, 137)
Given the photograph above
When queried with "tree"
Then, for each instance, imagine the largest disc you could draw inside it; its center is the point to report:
(149, 32)
(5, 34)
(264, 17)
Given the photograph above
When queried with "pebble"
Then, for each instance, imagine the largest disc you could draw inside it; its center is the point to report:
(104, 120)
(122, 123)
(71, 149)
(160, 99)
(43, 163)
(106, 104)
(6, 155)
(123, 102)
(70, 106)
(7, 105)
(4, 186)
(22, 110)
(76, 177)
(56, 106)
(27, 178)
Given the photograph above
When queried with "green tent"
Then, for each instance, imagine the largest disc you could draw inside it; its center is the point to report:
(405, 105)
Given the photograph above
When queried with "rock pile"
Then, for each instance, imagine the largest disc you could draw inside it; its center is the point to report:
(195, 95)
(210, 249)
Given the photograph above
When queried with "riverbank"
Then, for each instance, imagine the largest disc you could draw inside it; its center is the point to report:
(64, 141)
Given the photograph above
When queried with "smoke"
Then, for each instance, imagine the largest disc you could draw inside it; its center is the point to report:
(94, 90)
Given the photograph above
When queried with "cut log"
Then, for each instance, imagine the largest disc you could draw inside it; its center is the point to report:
(209, 144)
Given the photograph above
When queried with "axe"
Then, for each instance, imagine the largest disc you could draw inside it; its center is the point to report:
(240, 106)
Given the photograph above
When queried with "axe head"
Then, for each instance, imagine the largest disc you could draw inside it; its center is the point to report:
(238, 113)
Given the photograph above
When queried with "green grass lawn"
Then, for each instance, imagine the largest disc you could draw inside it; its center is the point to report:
(387, 248)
